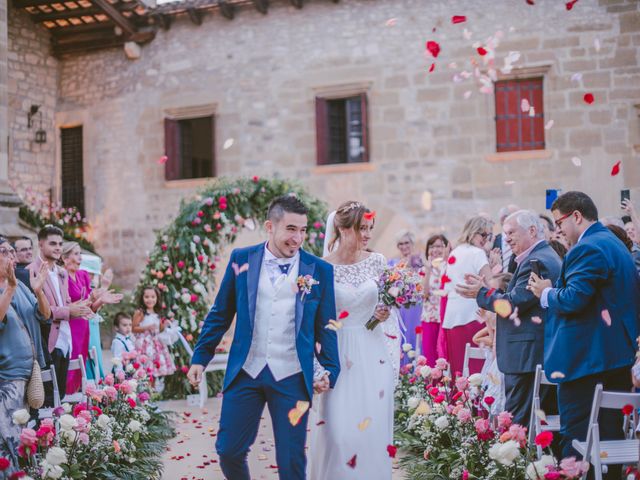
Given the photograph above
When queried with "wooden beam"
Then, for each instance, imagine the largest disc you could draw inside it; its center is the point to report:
(64, 14)
(227, 10)
(32, 3)
(114, 14)
(297, 3)
(195, 16)
(262, 6)
(97, 35)
(86, 46)
(71, 30)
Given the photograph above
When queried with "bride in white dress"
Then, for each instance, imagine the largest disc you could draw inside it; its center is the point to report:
(352, 424)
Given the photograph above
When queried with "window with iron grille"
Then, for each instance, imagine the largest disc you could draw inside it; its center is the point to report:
(190, 148)
(72, 168)
(517, 129)
(341, 130)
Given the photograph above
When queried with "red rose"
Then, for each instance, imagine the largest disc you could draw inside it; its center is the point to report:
(163, 247)
(17, 475)
(544, 439)
(184, 369)
(180, 264)
(200, 213)
(627, 409)
(200, 258)
(194, 298)
(439, 399)
(4, 464)
(136, 365)
(489, 400)
(132, 402)
(255, 179)
(392, 450)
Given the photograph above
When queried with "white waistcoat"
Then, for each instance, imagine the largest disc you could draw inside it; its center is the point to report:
(274, 330)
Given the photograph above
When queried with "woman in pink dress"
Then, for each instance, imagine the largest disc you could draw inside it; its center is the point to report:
(436, 251)
(80, 290)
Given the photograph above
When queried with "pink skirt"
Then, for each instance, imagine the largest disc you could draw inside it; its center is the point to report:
(456, 339)
(430, 331)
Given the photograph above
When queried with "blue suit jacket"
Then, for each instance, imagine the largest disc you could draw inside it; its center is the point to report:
(237, 297)
(597, 274)
(520, 348)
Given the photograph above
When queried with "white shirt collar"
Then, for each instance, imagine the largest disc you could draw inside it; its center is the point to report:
(270, 257)
(582, 235)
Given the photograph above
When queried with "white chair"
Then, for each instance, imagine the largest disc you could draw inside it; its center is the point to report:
(475, 353)
(77, 364)
(609, 452)
(49, 375)
(552, 422)
(418, 343)
(219, 362)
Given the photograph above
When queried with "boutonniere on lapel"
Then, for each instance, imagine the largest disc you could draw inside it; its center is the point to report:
(304, 284)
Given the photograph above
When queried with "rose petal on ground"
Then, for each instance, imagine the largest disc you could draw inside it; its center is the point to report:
(569, 5)
(576, 161)
(482, 51)
(466, 34)
(606, 318)
(163, 159)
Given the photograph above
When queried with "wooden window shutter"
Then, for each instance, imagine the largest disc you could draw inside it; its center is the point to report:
(322, 131)
(517, 130)
(172, 149)
(213, 146)
(365, 126)
(72, 180)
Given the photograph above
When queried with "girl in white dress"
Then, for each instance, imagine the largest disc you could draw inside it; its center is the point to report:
(352, 424)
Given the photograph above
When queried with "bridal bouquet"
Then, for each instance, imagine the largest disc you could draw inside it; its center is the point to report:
(398, 286)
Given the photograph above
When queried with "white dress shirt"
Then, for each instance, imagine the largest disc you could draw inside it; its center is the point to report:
(121, 344)
(64, 335)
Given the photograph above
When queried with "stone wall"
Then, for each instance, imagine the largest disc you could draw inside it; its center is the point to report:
(32, 80)
(4, 42)
(263, 72)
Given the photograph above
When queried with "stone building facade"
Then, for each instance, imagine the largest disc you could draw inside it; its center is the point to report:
(260, 74)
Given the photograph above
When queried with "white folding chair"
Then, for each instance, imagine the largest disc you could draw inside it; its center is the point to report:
(470, 353)
(77, 364)
(49, 375)
(609, 452)
(552, 422)
(219, 362)
(418, 344)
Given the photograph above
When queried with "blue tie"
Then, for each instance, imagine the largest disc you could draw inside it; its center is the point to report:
(284, 268)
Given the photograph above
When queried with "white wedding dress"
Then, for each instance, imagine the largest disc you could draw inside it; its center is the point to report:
(352, 424)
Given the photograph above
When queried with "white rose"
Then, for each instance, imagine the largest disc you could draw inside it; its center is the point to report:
(505, 453)
(475, 379)
(441, 422)
(130, 368)
(145, 416)
(134, 385)
(536, 470)
(67, 407)
(20, 417)
(51, 471)
(67, 422)
(411, 354)
(413, 402)
(68, 435)
(103, 421)
(406, 347)
(425, 371)
(56, 456)
(394, 292)
(186, 298)
(134, 426)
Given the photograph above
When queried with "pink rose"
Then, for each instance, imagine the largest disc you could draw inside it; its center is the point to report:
(125, 387)
(442, 364)
(571, 467)
(436, 373)
(109, 380)
(120, 375)
(504, 421)
(82, 425)
(462, 383)
(464, 415)
(111, 392)
(28, 437)
(143, 397)
(519, 434)
(421, 361)
(482, 425)
(83, 438)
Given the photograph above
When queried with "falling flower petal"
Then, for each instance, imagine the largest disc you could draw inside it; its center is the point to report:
(616, 169)
(228, 143)
(576, 77)
(318, 348)
(555, 375)
(530, 2)
(596, 44)
(549, 125)
(369, 215)
(392, 337)
(349, 364)
(467, 94)
(489, 292)
(541, 415)
(364, 424)
(532, 112)
(433, 48)
(391, 22)
(576, 161)
(588, 98)
(381, 394)
(432, 67)
(536, 320)
(467, 34)
(482, 51)
(458, 19)
(163, 159)
(343, 314)
(296, 413)
(392, 450)
(524, 105)
(451, 260)
(239, 269)
(569, 5)
(445, 279)
(502, 307)
(606, 318)
(352, 462)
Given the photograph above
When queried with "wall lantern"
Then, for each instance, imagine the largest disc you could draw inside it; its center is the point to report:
(41, 135)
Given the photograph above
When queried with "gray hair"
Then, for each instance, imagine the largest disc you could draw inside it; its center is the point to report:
(402, 234)
(527, 219)
(504, 212)
(611, 220)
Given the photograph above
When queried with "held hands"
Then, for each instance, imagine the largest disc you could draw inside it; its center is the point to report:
(471, 287)
(321, 385)
(537, 285)
(382, 313)
(195, 374)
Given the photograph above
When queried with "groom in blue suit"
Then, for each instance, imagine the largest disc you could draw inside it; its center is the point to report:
(592, 320)
(282, 298)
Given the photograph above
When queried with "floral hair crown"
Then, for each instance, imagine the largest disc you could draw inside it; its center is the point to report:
(350, 207)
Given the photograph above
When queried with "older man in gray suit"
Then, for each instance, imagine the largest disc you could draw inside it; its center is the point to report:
(519, 340)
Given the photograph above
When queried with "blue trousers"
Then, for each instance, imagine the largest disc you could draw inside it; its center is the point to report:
(574, 403)
(242, 406)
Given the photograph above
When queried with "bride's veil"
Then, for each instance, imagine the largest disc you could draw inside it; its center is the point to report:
(329, 233)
